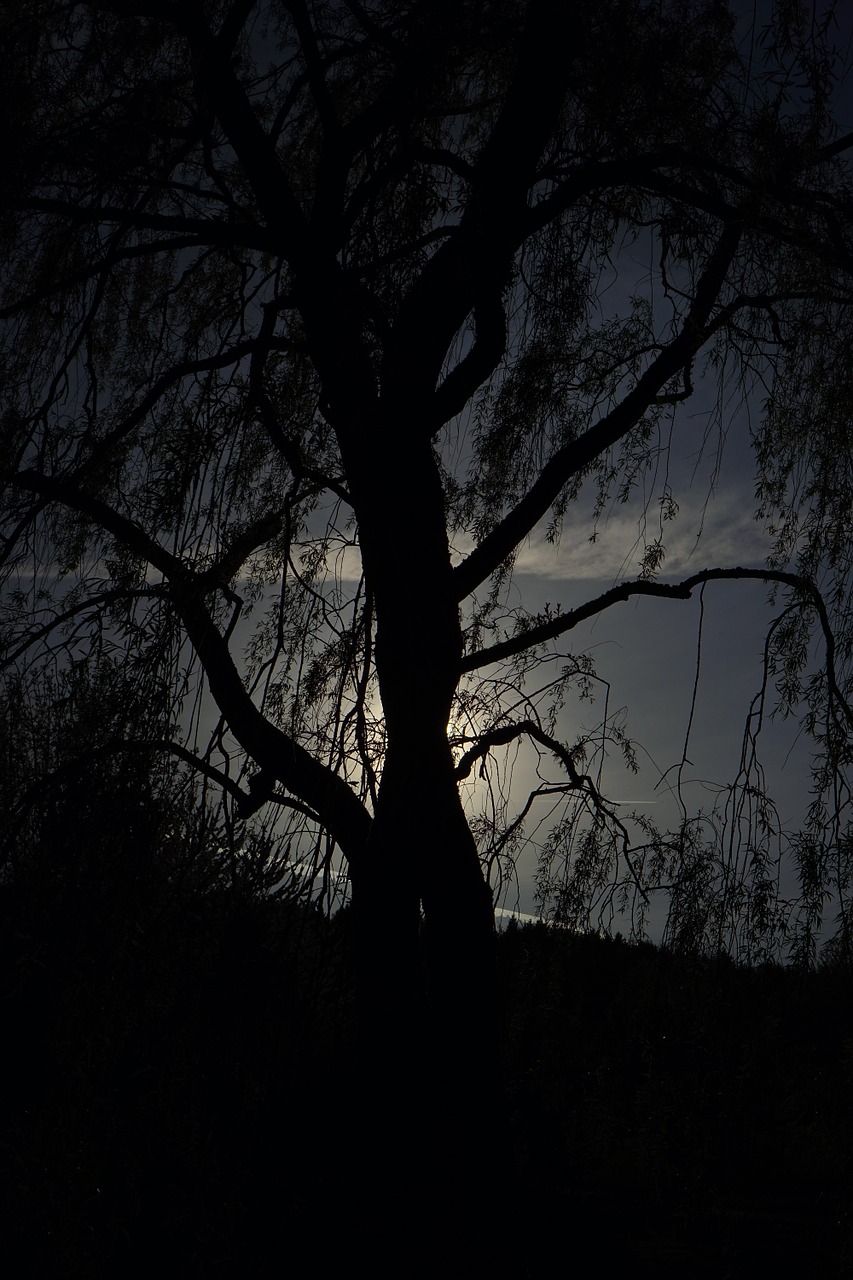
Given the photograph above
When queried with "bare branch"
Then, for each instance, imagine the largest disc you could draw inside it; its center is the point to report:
(668, 591)
(503, 734)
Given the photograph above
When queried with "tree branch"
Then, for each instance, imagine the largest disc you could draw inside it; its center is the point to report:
(91, 602)
(579, 782)
(474, 368)
(466, 270)
(577, 454)
(263, 405)
(220, 87)
(229, 562)
(503, 734)
(319, 787)
(212, 231)
(248, 802)
(54, 287)
(667, 591)
(187, 369)
(314, 66)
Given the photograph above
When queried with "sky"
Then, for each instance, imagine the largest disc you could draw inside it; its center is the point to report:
(646, 649)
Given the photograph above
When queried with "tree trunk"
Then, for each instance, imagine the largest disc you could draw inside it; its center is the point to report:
(430, 1052)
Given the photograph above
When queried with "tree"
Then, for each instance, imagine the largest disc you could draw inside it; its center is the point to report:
(314, 284)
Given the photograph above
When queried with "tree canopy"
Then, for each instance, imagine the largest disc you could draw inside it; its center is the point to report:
(313, 312)
(307, 329)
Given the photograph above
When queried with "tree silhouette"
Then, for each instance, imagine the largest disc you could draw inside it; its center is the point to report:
(306, 331)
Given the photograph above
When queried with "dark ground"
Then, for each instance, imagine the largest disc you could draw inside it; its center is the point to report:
(176, 1088)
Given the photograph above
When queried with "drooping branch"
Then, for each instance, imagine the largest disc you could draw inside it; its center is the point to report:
(185, 369)
(277, 754)
(125, 531)
(827, 250)
(578, 782)
(55, 286)
(672, 173)
(287, 446)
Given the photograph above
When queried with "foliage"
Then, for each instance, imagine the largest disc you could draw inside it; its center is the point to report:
(300, 297)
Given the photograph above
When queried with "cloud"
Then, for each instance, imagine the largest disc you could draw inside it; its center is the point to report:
(723, 533)
(726, 534)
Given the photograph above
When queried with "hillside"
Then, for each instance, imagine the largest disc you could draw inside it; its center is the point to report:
(179, 1081)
